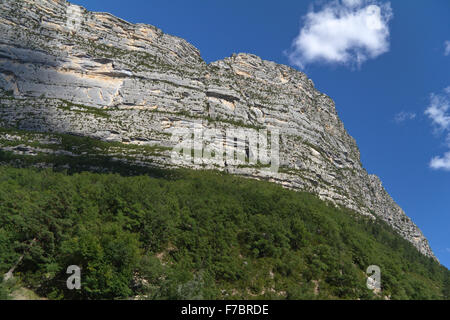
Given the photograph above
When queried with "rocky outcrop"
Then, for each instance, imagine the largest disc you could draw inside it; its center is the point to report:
(66, 70)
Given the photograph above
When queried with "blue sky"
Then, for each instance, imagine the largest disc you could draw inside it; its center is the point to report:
(386, 64)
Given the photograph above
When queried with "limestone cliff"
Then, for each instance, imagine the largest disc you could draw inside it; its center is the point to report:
(66, 70)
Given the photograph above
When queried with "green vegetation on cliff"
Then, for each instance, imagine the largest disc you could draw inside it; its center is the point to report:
(197, 235)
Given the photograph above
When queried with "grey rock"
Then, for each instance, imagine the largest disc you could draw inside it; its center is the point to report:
(64, 69)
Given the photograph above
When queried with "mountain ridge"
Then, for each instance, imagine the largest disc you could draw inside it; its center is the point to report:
(66, 70)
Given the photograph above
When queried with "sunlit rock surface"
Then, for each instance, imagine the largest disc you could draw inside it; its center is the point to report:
(66, 70)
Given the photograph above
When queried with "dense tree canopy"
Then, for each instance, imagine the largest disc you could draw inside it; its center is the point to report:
(197, 235)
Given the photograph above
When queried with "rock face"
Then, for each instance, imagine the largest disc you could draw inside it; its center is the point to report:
(66, 70)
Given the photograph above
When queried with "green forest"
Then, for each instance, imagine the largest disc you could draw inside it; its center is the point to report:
(185, 234)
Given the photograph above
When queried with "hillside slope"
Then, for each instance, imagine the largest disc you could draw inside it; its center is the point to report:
(64, 70)
(187, 234)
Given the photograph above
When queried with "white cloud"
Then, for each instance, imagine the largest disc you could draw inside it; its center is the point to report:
(447, 90)
(443, 163)
(438, 112)
(404, 116)
(447, 48)
(352, 3)
(343, 32)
